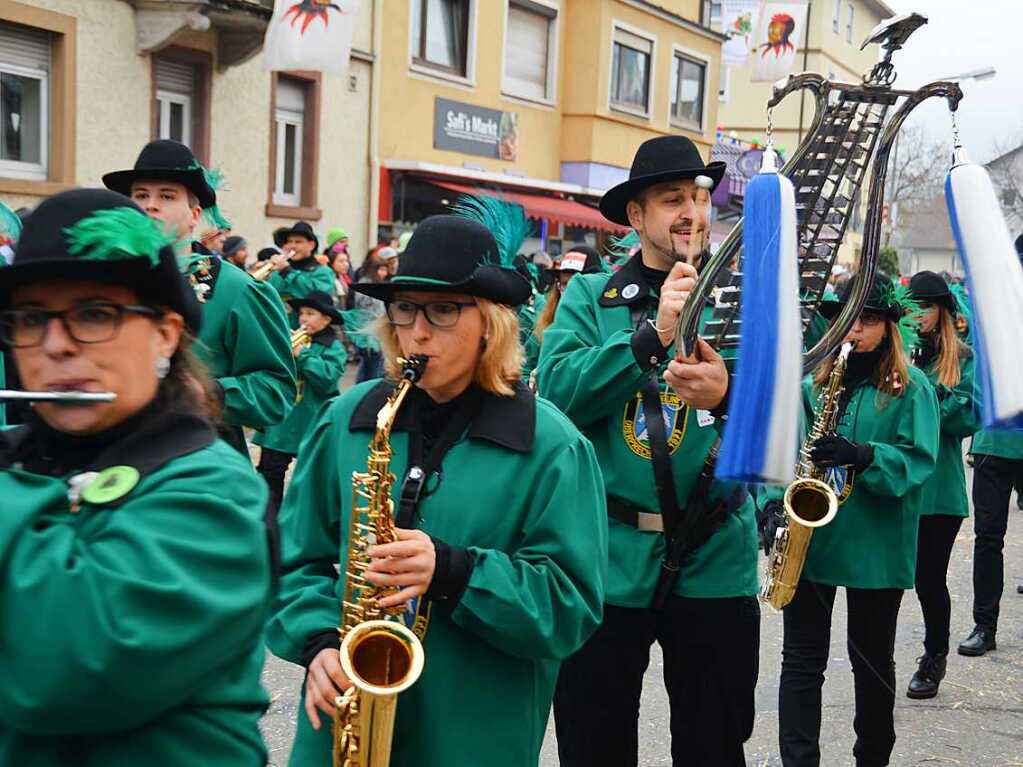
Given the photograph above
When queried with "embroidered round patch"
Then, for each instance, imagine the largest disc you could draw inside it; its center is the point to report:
(634, 429)
(112, 484)
(630, 291)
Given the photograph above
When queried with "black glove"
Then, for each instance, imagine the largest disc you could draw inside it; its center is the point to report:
(833, 450)
(769, 519)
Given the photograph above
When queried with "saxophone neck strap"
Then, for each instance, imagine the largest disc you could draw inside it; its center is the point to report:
(421, 467)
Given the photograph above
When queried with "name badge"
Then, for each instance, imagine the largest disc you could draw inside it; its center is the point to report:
(704, 418)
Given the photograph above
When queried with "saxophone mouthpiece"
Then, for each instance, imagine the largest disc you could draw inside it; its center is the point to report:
(412, 369)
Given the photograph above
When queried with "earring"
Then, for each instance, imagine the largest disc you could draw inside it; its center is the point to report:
(163, 365)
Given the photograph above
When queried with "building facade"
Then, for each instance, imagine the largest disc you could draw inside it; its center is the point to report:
(86, 83)
(830, 46)
(543, 102)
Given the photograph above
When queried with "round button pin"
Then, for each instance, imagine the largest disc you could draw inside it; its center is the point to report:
(630, 291)
(112, 484)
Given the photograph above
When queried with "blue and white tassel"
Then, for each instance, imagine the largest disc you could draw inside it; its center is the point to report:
(995, 279)
(762, 431)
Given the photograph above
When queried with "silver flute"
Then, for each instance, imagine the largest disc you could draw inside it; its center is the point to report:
(14, 395)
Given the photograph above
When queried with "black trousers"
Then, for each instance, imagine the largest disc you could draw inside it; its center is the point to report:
(711, 661)
(873, 614)
(273, 465)
(934, 549)
(993, 478)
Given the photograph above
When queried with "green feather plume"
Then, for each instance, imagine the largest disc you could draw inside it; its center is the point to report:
(359, 329)
(958, 291)
(214, 218)
(505, 220)
(10, 226)
(115, 234)
(217, 181)
(620, 249)
(909, 324)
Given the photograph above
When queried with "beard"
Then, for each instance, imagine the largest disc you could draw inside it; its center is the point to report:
(692, 251)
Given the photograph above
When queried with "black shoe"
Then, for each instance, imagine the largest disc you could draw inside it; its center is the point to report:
(929, 673)
(978, 643)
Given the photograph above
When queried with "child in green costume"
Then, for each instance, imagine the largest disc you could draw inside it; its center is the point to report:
(320, 360)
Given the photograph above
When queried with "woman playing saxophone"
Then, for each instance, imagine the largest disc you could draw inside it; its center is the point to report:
(499, 534)
(882, 450)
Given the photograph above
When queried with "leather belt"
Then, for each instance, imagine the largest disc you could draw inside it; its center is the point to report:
(634, 516)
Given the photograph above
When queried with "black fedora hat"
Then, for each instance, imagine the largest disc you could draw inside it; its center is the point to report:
(97, 235)
(453, 254)
(660, 159)
(930, 287)
(881, 299)
(301, 228)
(165, 160)
(321, 302)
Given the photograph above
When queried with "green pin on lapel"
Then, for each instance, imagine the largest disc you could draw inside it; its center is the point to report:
(111, 485)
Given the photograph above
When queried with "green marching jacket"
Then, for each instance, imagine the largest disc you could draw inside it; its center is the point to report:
(320, 367)
(298, 281)
(945, 491)
(244, 342)
(593, 365)
(131, 621)
(871, 543)
(521, 493)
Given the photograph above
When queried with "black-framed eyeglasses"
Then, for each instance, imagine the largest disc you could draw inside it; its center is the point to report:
(440, 314)
(871, 318)
(91, 323)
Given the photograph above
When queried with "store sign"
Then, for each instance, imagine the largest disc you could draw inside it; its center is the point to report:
(466, 128)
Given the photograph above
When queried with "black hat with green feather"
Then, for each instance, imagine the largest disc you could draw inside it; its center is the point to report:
(96, 235)
(471, 252)
(166, 160)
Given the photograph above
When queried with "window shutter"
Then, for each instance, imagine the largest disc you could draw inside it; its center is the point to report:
(174, 76)
(634, 41)
(24, 47)
(290, 96)
(526, 57)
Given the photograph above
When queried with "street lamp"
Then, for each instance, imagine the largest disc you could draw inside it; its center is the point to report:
(984, 73)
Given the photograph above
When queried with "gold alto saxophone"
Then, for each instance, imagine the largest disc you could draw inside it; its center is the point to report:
(379, 654)
(809, 501)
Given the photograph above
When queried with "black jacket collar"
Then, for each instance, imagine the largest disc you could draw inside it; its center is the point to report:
(627, 285)
(163, 439)
(325, 337)
(509, 422)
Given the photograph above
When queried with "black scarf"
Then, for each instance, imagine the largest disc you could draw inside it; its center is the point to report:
(862, 366)
(926, 350)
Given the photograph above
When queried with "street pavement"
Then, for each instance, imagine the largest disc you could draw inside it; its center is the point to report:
(976, 720)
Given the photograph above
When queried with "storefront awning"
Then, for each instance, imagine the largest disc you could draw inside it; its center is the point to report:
(538, 206)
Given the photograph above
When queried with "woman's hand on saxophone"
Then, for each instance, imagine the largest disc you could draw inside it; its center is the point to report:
(407, 564)
(323, 683)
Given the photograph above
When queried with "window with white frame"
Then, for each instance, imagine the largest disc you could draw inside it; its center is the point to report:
(289, 124)
(712, 14)
(440, 34)
(24, 101)
(688, 85)
(849, 25)
(175, 99)
(529, 50)
(630, 71)
(836, 19)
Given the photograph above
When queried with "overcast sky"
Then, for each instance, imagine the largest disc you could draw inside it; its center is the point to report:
(962, 36)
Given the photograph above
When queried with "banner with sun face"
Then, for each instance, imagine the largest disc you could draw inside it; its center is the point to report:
(311, 35)
(781, 32)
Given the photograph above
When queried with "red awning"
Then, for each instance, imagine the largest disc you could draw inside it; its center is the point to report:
(538, 206)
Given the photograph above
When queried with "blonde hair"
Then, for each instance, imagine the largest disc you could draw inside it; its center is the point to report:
(547, 313)
(892, 375)
(950, 350)
(500, 364)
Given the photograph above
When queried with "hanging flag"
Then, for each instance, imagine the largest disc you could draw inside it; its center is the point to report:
(311, 35)
(738, 20)
(781, 31)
